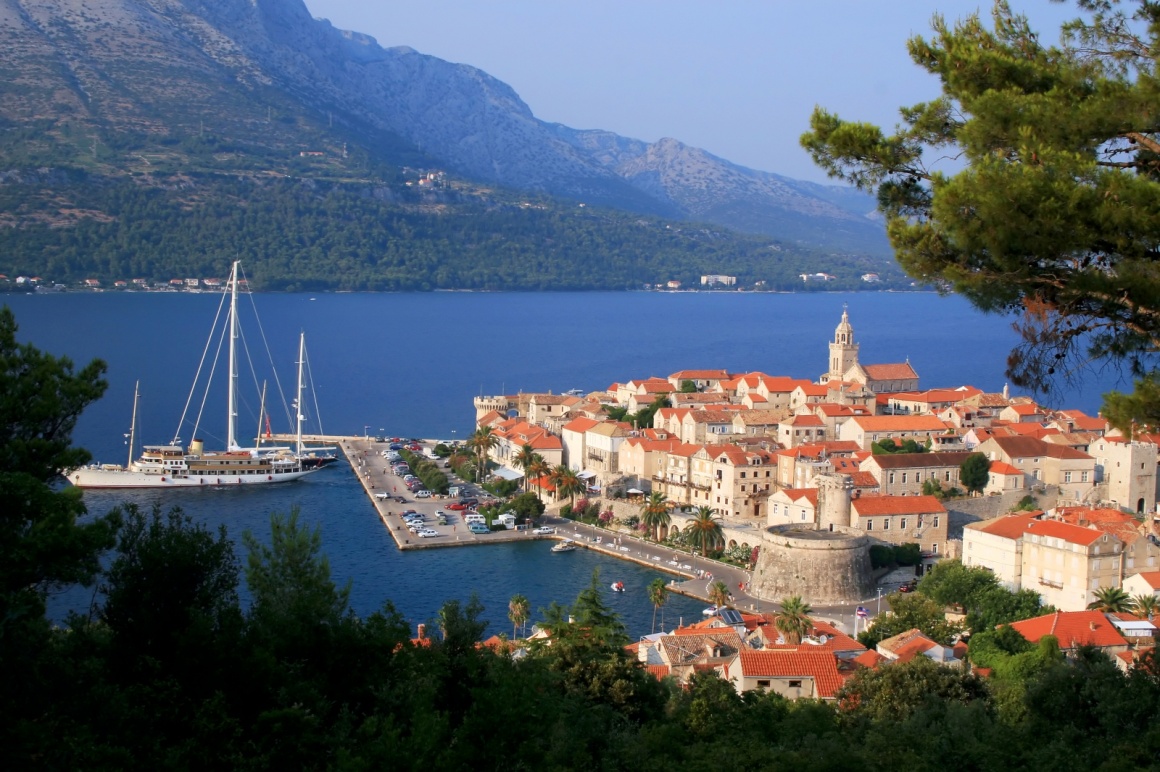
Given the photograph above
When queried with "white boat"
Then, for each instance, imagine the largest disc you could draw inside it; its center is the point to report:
(618, 586)
(564, 546)
(172, 466)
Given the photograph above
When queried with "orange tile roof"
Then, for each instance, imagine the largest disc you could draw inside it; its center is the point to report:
(867, 506)
(813, 390)
(900, 423)
(890, 372)
(870, 659)
(1002, 467)
(808, 419)
(820, 665)
(1152, 578)
(702, 375)
(864, 480)
(1065, 531)
(782, 384)
(1072, 629)
(581, 424)
(1011, 526)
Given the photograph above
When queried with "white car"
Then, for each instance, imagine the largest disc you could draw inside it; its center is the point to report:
(543, 530)
(423, 494)
(427, 533)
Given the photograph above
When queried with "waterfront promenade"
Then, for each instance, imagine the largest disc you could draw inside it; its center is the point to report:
(692, 576)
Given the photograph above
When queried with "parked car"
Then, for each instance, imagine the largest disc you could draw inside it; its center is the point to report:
(457, 507)
(543, 530)
(909, 586)
(427, 533)
(478, 528)
(423, 494)
(380, 439)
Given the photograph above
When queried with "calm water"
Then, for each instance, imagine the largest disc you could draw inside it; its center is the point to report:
(409, 364)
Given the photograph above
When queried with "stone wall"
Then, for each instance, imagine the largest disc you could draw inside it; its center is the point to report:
(823, 567)
(967, 510)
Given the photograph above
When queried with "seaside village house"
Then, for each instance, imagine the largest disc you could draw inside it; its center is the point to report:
(1065, 555)
(746, 650)
(1043, 463)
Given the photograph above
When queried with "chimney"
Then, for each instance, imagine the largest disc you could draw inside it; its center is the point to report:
(422, 631)
(1092, 626)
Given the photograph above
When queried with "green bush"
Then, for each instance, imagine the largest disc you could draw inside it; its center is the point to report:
(881, 556)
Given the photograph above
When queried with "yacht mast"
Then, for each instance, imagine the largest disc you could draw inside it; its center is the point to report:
(232, 410)
(298, 401)
(261, 416)
(133, 425)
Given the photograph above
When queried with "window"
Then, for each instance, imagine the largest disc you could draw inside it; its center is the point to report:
(904, 478)
(891, 478)
(1067, 477)
(935, 523)
(934, 549)
(886, 524)
(869, 524)
(795, 684)
(763, 683)
(743, 475)
(902, 524)
(1083, 476)
(948, 474)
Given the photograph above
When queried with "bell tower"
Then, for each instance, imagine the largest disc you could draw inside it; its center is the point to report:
(843, 351)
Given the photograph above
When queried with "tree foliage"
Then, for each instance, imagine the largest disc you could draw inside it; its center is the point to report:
(1049, 216)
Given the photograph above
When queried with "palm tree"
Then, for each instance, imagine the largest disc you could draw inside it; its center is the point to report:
(481, 441)
(657, 597)
(793, 621)
(567, 483)
(719, 593)
(1111, 599)
(523, 459)
(518, 611)
(1146, 605)
(654, 513)
(705, 530)
(537, 468)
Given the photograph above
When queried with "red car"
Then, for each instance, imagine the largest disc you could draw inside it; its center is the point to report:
(457, 507)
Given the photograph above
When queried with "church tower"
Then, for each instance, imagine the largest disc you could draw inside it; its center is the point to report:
(843, 351)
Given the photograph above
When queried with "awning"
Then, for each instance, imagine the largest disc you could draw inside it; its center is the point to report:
(586, 475)
(634, 491)
(507, 473)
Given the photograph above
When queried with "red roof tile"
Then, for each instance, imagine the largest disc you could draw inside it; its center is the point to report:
(1072, 629)
(819, 665)
(867, 506)
(1065, 531)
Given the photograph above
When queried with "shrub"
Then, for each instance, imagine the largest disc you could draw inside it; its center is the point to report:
(881, 556)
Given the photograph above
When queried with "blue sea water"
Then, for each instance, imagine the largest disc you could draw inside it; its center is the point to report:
(409, 364)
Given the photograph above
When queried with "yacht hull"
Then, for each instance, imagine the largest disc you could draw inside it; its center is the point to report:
(96, 477)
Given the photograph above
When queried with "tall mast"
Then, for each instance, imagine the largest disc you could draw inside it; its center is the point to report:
(133, 425)
(232, 410)
(261, 416)
(298, 401)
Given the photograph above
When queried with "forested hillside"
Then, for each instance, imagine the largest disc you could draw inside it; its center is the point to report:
(316, 233)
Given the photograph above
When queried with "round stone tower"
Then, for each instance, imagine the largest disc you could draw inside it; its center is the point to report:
(826, 562)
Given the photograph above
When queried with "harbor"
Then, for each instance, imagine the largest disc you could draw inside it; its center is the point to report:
(691, 575)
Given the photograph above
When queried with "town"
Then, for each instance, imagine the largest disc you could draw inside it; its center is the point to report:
(810, 483)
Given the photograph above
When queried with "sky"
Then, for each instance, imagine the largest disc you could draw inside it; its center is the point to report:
(738, 79)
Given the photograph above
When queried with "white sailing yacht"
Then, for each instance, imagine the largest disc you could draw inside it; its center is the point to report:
(172, 466)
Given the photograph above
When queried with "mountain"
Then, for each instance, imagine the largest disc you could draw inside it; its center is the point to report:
(150, 89)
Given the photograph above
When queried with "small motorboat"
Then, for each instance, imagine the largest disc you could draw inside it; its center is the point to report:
(618, 586)
(711, 611)
(564, 546)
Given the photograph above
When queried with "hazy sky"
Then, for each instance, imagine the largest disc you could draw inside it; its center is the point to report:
(738, 78)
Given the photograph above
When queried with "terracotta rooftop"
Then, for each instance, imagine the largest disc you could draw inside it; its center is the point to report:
(1072, 629)
(867, 506)
(821, 666)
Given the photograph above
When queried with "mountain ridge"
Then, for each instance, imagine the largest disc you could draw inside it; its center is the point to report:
(266, 73)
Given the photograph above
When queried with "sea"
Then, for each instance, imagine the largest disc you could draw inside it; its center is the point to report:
(410, 364)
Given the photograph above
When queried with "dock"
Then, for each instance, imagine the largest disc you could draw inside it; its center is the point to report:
(692, 575)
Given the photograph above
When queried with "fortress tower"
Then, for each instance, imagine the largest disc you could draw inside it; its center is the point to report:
(826, 563)
(843, 351)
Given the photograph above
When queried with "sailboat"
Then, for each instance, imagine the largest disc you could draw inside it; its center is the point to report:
(310, 457)
(172, 466)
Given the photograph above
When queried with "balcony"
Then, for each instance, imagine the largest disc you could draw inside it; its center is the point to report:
(1050, 583)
